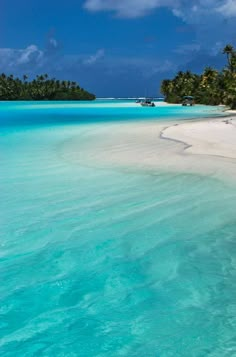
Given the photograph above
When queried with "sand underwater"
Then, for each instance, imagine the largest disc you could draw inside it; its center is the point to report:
(114, 240)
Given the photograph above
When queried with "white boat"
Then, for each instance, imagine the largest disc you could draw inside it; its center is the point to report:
(147, 103)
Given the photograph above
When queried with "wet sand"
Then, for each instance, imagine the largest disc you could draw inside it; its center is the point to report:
(203, 146)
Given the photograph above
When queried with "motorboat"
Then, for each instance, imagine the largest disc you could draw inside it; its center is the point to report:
(188, 100)
(147, 103)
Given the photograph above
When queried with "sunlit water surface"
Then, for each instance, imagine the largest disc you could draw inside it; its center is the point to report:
(100, 262)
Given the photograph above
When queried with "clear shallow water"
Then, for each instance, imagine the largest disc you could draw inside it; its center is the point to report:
(38, 113)
(105, 263)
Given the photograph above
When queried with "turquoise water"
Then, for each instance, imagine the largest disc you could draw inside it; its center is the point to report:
(38, 113)
(100, 262)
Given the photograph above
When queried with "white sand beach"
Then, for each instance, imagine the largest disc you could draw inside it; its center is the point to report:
(211, 137)
(203, 146)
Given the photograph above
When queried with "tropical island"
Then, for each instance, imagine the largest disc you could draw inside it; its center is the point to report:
(41, 88)
(212, 87)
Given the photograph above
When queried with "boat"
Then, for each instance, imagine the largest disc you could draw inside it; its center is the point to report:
(147, 102)
(188, 100)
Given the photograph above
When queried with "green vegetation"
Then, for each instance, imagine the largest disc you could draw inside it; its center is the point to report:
(41, 88)
(212, 87)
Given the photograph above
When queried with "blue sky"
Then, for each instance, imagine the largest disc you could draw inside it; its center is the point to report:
(114, 47)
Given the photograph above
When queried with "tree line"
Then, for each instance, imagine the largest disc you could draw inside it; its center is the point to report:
(40, 88)
(212, 87)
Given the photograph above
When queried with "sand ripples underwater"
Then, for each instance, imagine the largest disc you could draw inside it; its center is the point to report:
(102, 262)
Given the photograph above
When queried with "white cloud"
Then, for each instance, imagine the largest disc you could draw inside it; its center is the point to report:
(228, 8)
(127, 8)
(10, 57)
(213, 21)
(32, 59)
(182, 8)
(94, 58)
(29, 54)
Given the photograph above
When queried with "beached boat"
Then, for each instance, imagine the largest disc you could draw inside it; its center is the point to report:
(188, 100)
(147, 103)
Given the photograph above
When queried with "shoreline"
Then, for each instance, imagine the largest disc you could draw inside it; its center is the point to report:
(205, 146)
(212, 137)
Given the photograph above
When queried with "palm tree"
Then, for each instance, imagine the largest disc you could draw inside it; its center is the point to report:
(40, 88)
(233, 62)
(228, 50)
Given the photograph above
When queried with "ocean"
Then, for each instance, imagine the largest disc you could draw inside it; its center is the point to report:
(101, 261)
